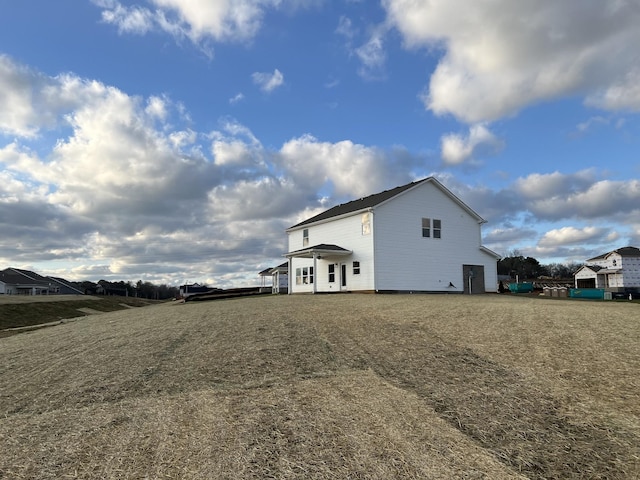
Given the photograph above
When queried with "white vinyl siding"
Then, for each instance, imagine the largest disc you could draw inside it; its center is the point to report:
(405, 261)
(346, 233)
(392, 252)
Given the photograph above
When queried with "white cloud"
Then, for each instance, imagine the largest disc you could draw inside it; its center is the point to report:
(622, 94)
(220, 19)
(345, 28)
(268, 82)
(157, 107)
(353, 170)
(236, 98)
(538, 186)
(200, 21)
(578, 196)
(458, 149)
(500, 56)
(571, 236)
(133, 19)
(583, 127)
(27, 103)
(195, 19)
(372, 55)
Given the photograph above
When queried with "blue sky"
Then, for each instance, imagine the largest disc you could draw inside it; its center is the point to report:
(175, 140)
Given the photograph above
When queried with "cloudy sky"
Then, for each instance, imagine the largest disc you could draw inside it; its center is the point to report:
(175, 140)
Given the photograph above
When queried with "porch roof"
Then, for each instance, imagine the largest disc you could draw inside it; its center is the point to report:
(609, 270)
(318, 251)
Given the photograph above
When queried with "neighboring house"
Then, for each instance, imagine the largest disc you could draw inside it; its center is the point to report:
(63, 287)
(15, 281)
(191, 289)
(417, 237)
(278, 276)
(615, 271)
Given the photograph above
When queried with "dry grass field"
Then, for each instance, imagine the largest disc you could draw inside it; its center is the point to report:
(30, 311)
(328, 387)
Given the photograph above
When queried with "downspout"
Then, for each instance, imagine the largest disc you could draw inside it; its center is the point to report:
(289, 277)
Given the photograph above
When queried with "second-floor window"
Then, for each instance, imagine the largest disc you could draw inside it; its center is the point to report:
(426, 227)
(431, 228)
(437, 228)
(305, 237)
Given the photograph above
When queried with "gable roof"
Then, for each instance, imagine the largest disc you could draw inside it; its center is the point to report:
(623, 252)
(16, 276)
(66, 284)
(593, 268)
(379, 198)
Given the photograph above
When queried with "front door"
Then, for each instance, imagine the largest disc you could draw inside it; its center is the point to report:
(343, 276)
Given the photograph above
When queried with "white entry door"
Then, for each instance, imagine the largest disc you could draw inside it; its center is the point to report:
(343, 276)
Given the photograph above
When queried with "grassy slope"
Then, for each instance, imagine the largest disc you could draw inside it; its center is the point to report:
(27, 314)
(350, 386)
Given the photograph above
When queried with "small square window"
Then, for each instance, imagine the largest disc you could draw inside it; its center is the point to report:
(356, 268)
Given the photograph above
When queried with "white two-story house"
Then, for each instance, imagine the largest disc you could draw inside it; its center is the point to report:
(615, 271)
(417, 237)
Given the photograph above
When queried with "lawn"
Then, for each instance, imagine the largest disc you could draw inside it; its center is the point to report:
(18, 311)
(328, 387)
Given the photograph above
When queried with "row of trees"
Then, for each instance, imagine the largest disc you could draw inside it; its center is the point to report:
(529, 268)
(139, 289)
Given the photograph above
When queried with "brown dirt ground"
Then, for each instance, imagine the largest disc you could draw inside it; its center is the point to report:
(328, 387)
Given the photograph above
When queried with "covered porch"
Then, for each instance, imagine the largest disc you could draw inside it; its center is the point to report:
(318, 253)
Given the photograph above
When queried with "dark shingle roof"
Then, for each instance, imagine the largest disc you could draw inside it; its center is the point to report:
(361, 203)
(23, 277)
(623, 252)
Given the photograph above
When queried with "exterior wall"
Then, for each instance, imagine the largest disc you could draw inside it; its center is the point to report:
(346, 233)
(407, 261)
(631, 271)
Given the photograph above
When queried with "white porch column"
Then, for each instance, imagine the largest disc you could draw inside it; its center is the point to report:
(315, 272)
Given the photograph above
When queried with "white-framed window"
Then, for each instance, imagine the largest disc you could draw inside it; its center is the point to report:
(332, 273)
(304, 275)
(437, 228)
(431, 228)
(426, 227)
(305, 237)
(356, 267)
